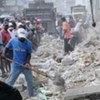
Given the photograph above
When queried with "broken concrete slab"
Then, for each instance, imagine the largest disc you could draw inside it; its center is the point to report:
(82, 92)
(97, 73)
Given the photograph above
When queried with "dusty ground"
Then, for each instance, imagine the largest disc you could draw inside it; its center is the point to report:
(75, 70)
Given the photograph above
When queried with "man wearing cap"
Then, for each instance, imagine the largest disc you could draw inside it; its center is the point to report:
(22, 49)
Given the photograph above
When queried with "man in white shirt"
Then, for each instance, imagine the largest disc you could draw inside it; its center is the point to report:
(11, 30)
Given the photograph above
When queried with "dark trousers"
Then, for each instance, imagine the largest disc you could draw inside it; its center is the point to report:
(2, 65)
(67, 46)
(8, 54)
(73, 41)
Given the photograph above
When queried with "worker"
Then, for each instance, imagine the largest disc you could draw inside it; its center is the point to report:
(22, 49)
(71, 22)
(5, 39)
(5, 34)
(12, 31)
(67, 36)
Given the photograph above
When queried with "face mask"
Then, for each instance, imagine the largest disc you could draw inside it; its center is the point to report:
(22, 39)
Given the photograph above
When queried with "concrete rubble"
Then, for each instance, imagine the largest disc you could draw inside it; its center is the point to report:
(79, 69)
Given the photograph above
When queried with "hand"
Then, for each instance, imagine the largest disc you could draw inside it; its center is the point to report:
(26, 65)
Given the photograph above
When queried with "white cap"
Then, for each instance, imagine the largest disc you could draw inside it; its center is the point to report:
(21, 33)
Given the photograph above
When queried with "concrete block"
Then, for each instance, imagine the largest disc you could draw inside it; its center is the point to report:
(97, 73)
(72, 94)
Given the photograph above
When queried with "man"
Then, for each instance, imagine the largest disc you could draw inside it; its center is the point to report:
(22, 49)
(12, 31)
(78, 31)
(67, 36)
(71, 22)
(5, 39)
(5, 34)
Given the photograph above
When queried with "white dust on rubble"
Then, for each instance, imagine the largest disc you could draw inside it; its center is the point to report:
(78, 68)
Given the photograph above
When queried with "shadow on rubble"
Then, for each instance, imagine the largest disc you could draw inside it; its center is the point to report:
(89, 97)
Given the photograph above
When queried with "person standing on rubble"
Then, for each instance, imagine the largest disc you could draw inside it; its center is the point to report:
(67, 36)
(22, 49)
(5, 34)
(12, 31)
(5, 39)
(78, 31)
(71, 22)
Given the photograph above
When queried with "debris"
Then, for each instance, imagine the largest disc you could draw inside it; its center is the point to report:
(78, 69)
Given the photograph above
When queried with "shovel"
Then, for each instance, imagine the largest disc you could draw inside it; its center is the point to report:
(32, 69)
(57, 80)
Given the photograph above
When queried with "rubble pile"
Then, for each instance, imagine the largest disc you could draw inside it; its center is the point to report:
(77, 69)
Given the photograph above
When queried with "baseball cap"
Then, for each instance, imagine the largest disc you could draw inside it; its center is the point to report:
(21, 33)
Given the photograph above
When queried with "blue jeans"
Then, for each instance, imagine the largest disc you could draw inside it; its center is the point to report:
(15, 72)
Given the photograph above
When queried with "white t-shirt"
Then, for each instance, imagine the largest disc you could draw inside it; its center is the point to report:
(78, 27)
(12, 33)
